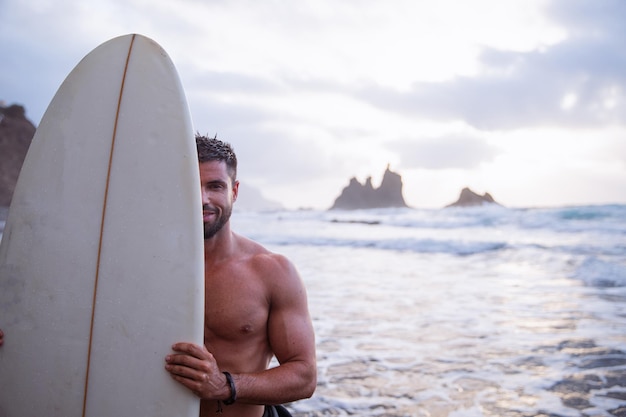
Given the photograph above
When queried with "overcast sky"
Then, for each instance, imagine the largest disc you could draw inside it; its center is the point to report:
(522, 99)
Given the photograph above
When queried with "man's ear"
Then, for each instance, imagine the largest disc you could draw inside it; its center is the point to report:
(235, 190)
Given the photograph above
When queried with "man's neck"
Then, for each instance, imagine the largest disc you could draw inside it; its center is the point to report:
(220, 246)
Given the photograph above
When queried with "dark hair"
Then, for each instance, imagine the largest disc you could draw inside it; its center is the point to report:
(213, 149)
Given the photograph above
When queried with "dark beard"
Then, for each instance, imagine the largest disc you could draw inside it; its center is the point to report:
(211, 229)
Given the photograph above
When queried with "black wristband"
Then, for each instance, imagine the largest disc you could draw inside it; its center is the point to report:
(233, 391)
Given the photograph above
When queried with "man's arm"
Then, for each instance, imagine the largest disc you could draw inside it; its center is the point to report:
(291, 338)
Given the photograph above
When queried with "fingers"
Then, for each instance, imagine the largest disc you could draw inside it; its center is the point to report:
(195, 367)
(194, 350)
(184, 369)
(191, 364)
(189, 356)
(195, 386)
(189, 373)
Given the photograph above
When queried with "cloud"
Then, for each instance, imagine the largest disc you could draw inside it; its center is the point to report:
(41, 42)
(598, 18)
(446, 152)
(579, 82)
(313, 92)
(270, 156)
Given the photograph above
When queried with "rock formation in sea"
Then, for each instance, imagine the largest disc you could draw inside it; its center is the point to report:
(469, 198)
(364, 196)
(16, 133)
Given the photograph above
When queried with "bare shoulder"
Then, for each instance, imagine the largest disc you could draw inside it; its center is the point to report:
(274, 268)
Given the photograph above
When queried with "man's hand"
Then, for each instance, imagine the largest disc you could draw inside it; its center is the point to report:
(195, 368)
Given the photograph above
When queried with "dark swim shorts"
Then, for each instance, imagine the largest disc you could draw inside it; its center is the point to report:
(276, 411)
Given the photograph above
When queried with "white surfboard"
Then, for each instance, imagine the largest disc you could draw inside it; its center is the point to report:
(101, 260)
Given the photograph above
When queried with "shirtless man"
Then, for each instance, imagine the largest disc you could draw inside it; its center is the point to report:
(256, 308)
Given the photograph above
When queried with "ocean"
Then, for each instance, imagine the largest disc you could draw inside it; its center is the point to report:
(485, 311)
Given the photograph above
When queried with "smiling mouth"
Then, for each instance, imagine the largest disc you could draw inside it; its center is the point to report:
(207, 213)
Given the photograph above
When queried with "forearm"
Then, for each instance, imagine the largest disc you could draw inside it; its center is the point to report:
(288, 382)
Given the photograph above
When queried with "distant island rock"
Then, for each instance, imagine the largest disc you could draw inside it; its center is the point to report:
(364, 196)
(16, 133)
(469, 198)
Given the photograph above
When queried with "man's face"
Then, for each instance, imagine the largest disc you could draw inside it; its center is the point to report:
(218, 196)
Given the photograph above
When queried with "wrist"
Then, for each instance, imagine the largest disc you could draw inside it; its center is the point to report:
(230, 384)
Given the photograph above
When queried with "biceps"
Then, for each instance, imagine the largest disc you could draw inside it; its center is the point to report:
(291, 334)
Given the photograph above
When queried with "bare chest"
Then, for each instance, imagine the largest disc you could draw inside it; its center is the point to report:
(237, 307)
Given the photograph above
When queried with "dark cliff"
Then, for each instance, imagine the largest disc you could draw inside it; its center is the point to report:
(16, 133)
(468, 198)
(365, 196)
